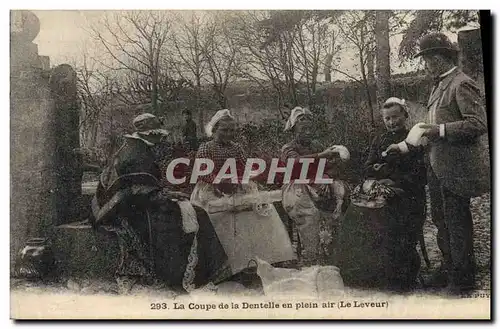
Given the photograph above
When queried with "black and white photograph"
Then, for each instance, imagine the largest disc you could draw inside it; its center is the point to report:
(250, 164)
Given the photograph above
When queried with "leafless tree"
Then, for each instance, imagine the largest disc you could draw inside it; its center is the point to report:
(315, 46)
(95, 89)
(135, 41)
(188, 56)
(357, 28)
(383, 50)
(267, 60)
(221, 53)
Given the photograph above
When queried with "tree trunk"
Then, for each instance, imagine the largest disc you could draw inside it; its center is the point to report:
(328, 68)
(362, 64)
(154, 93)
(94, 131)
(370, 65)
(368, 93)
(383, 55)
(314, 79)
(329, 60)
(222, 100)
(201, 119)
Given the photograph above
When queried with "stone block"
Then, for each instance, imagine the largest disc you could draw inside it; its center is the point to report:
(82, 252)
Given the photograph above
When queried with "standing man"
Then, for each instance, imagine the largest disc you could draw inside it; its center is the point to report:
(458, 162)
(189, 131)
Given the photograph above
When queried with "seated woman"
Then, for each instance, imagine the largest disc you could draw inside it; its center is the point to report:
(379, 231)
(245, 234)
(163, 239)
(308, 204)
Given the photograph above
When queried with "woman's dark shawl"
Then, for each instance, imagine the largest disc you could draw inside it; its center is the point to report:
(130, 187)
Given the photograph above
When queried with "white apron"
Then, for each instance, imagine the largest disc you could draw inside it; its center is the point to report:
(245, 234)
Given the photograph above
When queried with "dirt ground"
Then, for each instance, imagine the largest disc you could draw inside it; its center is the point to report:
(480, 209)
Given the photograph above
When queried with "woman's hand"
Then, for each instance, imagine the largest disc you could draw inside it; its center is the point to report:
(393, 148)
(327, 153)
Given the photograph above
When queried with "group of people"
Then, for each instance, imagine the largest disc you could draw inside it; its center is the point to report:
(174, 239)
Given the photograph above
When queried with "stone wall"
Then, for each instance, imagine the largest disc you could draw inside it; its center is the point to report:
(32, 202)
(44, 173)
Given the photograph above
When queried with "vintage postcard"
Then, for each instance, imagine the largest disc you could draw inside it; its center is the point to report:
(250, 164)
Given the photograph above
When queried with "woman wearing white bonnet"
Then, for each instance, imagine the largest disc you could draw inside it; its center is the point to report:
(218, 116)
(394, 100)
(296, 114)
(388, 205)
(244, 233)
(308, 204)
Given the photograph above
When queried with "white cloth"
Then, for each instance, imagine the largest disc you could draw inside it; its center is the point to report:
(189, 218)
(296, 113)
(245, 235)
(442, 130)
(342, 151)
(414, 137)
(314, 281)
(219, 115)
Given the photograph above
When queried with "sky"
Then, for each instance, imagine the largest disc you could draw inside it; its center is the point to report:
(64, 38)
(62, 33)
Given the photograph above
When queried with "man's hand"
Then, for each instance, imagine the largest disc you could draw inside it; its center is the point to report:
(431, 131)
(327, 153)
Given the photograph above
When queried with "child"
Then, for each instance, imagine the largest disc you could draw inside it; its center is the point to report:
(189, 131)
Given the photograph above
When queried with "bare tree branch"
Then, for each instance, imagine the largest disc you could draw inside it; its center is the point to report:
(135, 41)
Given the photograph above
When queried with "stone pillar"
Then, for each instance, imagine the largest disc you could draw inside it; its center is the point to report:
(68, 168)
(471, 55)
(32, 150)
(471, 62)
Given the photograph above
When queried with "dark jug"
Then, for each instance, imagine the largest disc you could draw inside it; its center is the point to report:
(35, 260)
